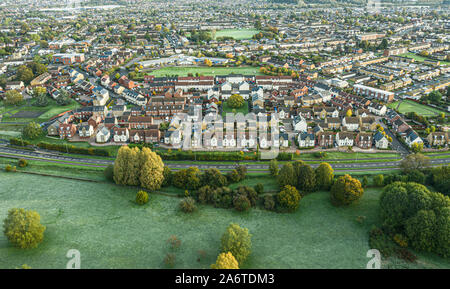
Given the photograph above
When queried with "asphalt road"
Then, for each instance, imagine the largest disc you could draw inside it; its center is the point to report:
(91, 162)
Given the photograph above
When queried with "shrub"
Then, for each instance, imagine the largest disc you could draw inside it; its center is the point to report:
(170, 259)
(233, 176)
(269, 202)
(187, 205)
(380, 241)
(167, 173)
(8, 168)
(142, 197)
(401, 240)
(205, 194)
(225, 261)
(416, 176)
(365, 182)
(378, 180)
(109, 173)
(259, 188)
(174, 242)
(22, 163)
(242, 171)
(23, 228)
(187, 179)
(241, 203)
(273, 168)
(214, 178)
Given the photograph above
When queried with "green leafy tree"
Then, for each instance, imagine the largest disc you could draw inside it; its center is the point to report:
(127, 166)
(346, 190)
(225, 261)
(187, 178)
(151, 170)
(378, 180)
(23, 228)
(414, 161)
(24, 74)
(235, 101)
(441, 179)
(273, 167)
(237, 240)
(214, 178)
(324, 176)
(32, 131)
(13, 97)
(289, 198)
(306, 178)
(287, 176)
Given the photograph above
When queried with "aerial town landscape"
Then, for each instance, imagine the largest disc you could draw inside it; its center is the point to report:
(245, 134)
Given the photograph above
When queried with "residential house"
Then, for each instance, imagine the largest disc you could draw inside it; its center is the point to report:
(306, 140)
(412, 137)
(351, 123)
(121, 135)
(381, 142)
(438, 138)
(85, 130)
(326, 139)
(103, 135)
(299, 124)
(344, 139)
(67, 130)
(364, 140)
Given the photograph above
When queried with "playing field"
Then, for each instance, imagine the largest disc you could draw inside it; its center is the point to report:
(102, 221)
(411, 106)
(203, 70)
(238, 34)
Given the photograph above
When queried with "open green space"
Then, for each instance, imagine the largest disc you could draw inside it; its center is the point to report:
(346, 155)
(56, 169)
(420, 58)
(411, 106)
(47, 112)
(227, 109)
(110, 231)
(203, 70)
(238, 34)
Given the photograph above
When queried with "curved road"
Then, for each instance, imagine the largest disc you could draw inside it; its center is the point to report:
(93, 162)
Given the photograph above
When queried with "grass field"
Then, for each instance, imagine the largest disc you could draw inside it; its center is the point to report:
(206, 71)
(110, 231)
(47, 112)
(238, 34)
(420, 58)
(226, 109)
(411, 106)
